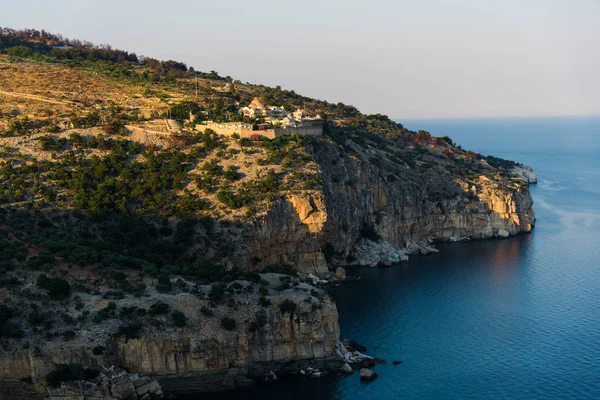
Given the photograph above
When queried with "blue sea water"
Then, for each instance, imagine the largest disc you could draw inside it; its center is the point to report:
(501, 319)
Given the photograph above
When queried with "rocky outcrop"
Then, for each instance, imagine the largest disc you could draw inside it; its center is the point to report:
(369, 210)
(367, 374)
(112, 384)
(373, 211)
(200, 357)
(526, 173)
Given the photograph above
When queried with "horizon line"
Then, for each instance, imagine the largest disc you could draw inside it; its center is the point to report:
(399, 119)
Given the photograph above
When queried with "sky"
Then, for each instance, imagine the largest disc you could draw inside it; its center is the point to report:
(402, 58)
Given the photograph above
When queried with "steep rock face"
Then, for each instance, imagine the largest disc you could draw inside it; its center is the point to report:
(290, 233)
(192, 361)
(369, 205)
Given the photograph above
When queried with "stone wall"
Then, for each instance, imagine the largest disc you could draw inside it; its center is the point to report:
(309, 130)
(246, 131)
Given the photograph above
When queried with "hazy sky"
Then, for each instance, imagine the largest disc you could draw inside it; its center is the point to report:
(404, 58)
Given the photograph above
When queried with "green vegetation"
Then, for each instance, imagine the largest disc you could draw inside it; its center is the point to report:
(259, 321)
(158, 308)
(280, 269)
(497, 162)
(129, 331)
(207, 311)
(287, 306)
(58, 288)
(264, 302)
(69, 372)
(228, 324)
(179, 319)
(9, 329)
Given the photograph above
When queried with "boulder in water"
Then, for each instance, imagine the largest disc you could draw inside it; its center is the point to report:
(347, 369)
(367, 374)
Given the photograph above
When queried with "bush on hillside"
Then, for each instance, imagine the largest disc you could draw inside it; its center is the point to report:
(228, 324)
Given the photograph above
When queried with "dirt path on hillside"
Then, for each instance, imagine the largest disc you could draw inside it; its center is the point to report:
(37, 98)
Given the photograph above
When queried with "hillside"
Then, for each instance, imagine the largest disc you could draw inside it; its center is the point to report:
(116, 197)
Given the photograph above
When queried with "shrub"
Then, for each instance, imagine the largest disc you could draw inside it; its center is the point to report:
(231, 173)
(252, 276)
(448, 140)
(19, 51)
(287, 306)
(11, 330)
(69, 372)
(164, 284)
(68, 335)
(158, 308)
(260, 320)
(212, 168)
(130, 331)
(58, 288)
(179, 319)
(207, 311)
(263, 301)
(217, 292)
(228, 323)
(35, 318)
(280, 269)
(181, 111)
(98, 350)
(115, 127)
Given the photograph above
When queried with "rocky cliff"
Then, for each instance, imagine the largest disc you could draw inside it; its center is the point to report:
(129, 243)
(202, 356)
(372, 209)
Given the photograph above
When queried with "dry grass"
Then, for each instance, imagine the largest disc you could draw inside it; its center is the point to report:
(45, 90)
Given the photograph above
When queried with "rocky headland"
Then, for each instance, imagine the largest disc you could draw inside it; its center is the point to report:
(141, 258)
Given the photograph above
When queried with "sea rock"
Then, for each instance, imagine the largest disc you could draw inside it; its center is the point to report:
(352, 345)
(340, 273)
(315, 280)
(503, 233)
(368, 362)
(379, 253)
(347, 369)
(396, 362)
(367, 374)
(270, 376)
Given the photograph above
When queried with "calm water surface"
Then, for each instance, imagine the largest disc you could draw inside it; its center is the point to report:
(508, 319)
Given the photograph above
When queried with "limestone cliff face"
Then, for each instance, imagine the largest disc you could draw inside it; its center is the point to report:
(366, 197)
(193, 360)
(290, 233)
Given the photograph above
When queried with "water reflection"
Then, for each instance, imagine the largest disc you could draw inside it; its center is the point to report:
(505, 258)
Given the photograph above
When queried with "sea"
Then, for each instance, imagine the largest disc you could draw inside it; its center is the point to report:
(517, 318)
